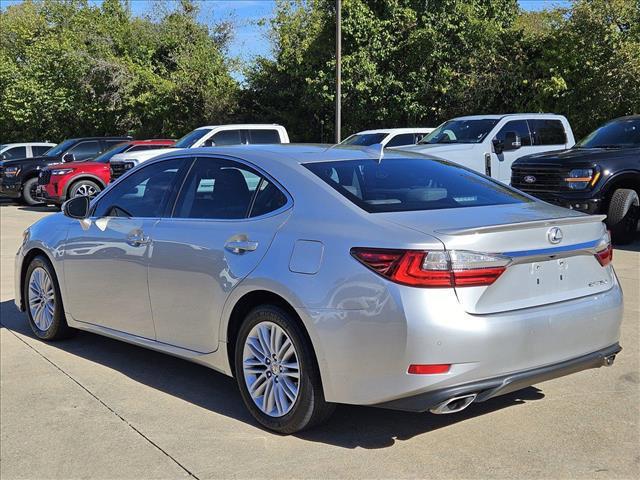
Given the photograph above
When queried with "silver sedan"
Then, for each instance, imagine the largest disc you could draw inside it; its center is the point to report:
(318, 276)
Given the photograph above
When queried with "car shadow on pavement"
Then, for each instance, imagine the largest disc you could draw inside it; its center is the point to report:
(350, 427)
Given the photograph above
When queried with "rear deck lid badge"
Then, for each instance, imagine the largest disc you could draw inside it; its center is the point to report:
(529, 179)
(554, 235)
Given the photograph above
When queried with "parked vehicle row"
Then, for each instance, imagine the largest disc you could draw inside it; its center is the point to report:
(318, 276)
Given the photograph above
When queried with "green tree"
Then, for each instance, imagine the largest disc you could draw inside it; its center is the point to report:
(71, 68)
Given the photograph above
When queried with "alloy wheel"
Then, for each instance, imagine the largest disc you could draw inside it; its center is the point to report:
(85, 190)
(271, 369)
(42, 299)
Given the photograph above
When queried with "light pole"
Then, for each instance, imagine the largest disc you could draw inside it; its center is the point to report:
(338, 69)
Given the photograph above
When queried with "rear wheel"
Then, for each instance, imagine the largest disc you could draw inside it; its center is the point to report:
(84, 188)
(43, 301)
(29, 191)
(623, 215)
(277, 373)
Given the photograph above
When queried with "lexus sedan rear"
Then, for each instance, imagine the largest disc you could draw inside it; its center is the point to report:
(318, 276)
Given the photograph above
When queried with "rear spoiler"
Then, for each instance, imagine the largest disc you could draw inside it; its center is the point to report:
(552, 222)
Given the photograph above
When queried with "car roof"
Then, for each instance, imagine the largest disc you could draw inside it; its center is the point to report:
(295, 153)
(395, 130)
(153, 141)
(506, 115)
(24, 144)
(125, 138)
(232, 126)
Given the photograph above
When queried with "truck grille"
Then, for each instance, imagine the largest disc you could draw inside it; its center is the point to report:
(45, 177)
(540, 180)
(119, 169)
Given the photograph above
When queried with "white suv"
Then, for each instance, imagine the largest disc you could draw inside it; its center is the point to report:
(491, 143)
(388, 137)
(13, 151)
(209, 136)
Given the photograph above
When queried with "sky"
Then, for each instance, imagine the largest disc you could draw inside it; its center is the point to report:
(250, 38)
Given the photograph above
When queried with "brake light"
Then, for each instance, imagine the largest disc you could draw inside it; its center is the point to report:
(605, 256)
(433, 269)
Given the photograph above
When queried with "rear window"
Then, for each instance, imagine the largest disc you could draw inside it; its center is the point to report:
(406, 184)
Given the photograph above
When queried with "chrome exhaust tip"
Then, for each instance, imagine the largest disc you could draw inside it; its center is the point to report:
(454, 404)
(608, 360)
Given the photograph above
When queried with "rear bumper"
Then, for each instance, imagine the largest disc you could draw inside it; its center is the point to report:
(493, 387)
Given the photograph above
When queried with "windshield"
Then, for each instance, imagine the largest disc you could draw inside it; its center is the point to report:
(364, 139)
(106, 156)
(406, 184)
(60, 149)
(617, 134)
(461, 131)
(191, 138)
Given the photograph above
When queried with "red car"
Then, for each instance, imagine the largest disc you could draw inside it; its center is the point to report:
(59, 182)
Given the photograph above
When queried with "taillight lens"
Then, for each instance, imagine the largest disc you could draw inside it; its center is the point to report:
(605, 255)
(433, 269)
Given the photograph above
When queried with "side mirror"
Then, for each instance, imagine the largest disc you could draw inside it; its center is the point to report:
(68, 157)
(77, 207)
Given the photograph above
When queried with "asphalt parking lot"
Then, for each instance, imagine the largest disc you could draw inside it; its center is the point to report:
(95, 407)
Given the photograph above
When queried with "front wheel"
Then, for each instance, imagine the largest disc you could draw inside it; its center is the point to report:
(623, 215)
(44, 302)
(29, 191)
(277, 373)
(84, 188)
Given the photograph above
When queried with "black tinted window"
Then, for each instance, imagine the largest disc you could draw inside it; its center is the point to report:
(145, 193)
(227, 137)
(622, 133)
(217, 189)
(402, 184)
(402, 139)
(85, 150)
(520, 128)
(15, 152)
(547, 132)
(364, 139)
(40, 150)
(264, 136)
(268, 199)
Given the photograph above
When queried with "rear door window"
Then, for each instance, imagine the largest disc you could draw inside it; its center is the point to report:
(40, 150)
(406, 184)
(264, 136)
(547, 132)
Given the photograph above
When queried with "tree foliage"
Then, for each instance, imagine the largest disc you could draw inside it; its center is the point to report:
(419, 62)
(70, 68)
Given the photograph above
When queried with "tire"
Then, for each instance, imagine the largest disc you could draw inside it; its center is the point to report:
(624, 214)
(28, 191)
(84, 187)
(290, 412)
(41, 286)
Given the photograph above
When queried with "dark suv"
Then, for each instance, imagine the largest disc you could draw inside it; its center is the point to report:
(19, 178)
(599, 175)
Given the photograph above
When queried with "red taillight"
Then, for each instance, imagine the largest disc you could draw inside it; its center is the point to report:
(429, 369)
(433, 269)
(605, 256)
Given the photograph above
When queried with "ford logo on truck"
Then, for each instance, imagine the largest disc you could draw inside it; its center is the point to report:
(529, 179)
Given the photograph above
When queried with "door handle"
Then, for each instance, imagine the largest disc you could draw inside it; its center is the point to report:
(241, 246)
(138, 239)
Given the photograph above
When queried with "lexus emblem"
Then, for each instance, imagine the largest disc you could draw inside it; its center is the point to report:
(554, 235)
(529, 179)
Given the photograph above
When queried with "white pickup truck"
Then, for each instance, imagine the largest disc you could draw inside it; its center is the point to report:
(208, 136)
(491, 143)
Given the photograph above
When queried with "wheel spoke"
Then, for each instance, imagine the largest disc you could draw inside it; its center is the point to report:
(41, 298)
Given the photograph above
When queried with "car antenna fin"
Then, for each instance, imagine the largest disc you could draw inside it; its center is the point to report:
(376, 150)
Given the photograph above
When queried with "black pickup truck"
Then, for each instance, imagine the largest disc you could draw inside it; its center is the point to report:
(19, 178)
(599, 175)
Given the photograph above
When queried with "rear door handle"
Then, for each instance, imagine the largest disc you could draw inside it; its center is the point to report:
(138, 239)
(241, 246)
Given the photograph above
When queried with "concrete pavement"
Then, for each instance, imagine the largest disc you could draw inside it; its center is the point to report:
(95, 407)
